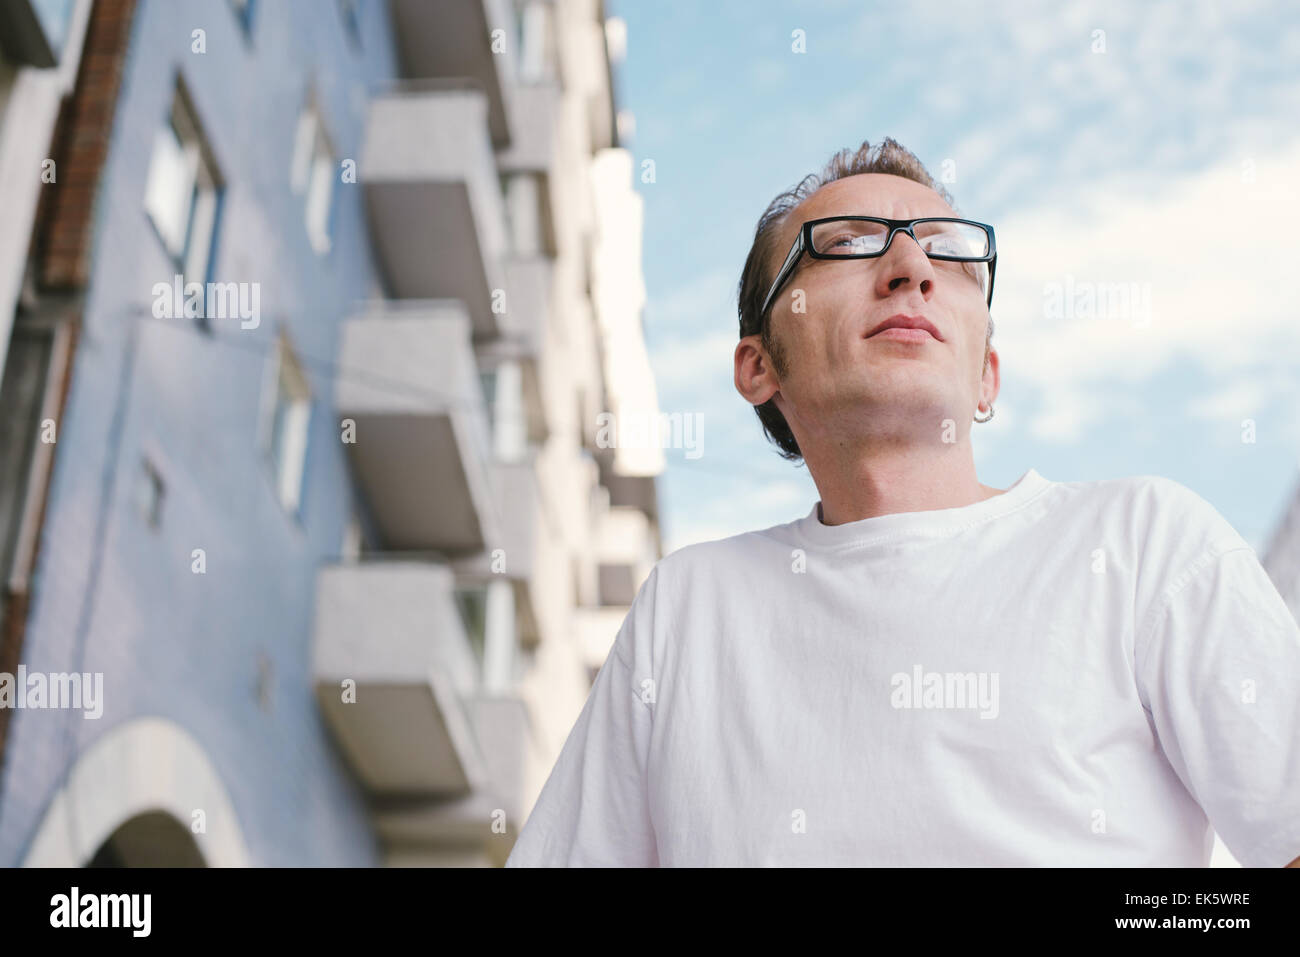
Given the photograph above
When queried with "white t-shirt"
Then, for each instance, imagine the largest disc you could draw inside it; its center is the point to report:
(1068, 673)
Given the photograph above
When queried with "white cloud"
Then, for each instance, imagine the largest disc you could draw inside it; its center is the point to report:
(702, 302)
(695, 363)
(1241, 399)
(1215, 252)
(1038, 108)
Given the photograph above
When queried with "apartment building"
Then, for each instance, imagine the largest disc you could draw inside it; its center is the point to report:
(341, 290)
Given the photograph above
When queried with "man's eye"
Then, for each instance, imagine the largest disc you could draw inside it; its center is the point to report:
(851, 243)
(945, 246)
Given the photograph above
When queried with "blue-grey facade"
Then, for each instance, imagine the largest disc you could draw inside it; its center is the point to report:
(224, 653)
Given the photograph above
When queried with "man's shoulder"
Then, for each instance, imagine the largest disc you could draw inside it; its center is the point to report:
(1166, 507)
(719, 557)
(1165, 526)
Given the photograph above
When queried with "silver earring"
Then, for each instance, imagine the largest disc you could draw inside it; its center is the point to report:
(987, 417)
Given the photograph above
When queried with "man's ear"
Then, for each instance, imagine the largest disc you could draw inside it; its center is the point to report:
(991, 382)
(755, 378)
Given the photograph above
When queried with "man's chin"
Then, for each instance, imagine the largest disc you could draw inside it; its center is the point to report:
(902, 396)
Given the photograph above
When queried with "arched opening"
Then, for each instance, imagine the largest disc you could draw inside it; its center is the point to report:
(152, 839)
(128, 800)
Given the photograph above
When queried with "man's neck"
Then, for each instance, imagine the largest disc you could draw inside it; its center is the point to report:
(858, 483)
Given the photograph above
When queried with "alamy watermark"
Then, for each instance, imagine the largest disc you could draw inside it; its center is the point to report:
(128, 911)
(179, 299)
(57, 689)
(945, 690)
(675, 430)
(1084, 299)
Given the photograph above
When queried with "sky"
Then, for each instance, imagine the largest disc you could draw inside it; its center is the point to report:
(1159, 156)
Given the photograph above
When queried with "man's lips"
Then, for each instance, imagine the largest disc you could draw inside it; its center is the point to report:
(901, 321)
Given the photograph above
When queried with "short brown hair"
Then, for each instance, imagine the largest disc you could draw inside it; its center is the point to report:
(755, 279)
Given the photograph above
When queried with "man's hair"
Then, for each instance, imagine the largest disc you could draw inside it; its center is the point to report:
(760, 265)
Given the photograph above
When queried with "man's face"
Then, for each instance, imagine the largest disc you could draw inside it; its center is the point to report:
(834, 369)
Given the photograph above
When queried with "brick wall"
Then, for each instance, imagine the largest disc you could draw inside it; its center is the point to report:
(65, 219)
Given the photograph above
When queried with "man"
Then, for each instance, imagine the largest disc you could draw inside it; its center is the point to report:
(925, 670)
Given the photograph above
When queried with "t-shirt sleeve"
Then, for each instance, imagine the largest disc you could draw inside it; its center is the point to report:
(593, 809)
(1218, 668)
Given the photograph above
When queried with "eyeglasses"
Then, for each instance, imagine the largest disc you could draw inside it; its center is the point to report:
(869, 237)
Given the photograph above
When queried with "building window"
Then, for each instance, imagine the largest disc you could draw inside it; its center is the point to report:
(286, 437)
(487, 380)
(522, 213)
(33, 376)
(536, 42)
(312, 176)
(507, 417)
(183, 190)
(528, 214)
(472, 602)
(244, 14)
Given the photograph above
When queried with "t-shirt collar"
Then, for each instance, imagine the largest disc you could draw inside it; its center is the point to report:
(929, 523)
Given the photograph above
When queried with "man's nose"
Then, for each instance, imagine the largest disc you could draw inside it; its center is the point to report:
(904, 263)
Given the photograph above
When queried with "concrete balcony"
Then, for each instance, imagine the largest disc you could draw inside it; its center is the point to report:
(532, 157)
(524, 554)
(410, 384)
(532, 148)
(522, 334)
(625, 553)
(392, 628)
(454, 39)
(529, 283)
(635, 491)
(433, 198)
(505, 738)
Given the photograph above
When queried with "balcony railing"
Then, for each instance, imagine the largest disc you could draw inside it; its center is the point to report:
(392, 668)
(409, 383)
(447, 39)
(434, 200)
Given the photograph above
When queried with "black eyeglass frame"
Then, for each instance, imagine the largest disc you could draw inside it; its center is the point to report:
(803, 243)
